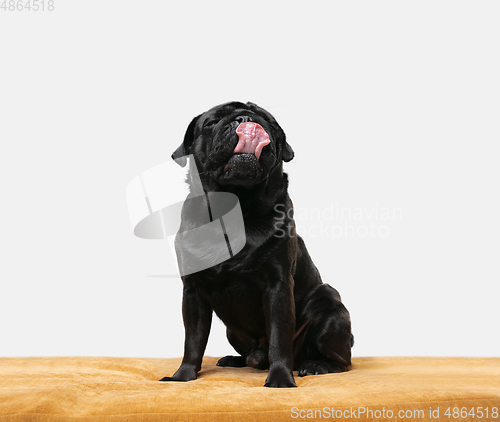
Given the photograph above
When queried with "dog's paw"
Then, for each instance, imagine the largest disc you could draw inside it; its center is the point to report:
(318, 367)
(279, 378)
(184, 373)
(233, 361)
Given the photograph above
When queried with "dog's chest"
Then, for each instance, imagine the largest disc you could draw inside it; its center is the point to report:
(237, 302)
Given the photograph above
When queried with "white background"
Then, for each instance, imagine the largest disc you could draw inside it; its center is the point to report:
(388, 105)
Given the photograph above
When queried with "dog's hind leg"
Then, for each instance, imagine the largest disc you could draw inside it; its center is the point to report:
(328, 340)
(243, 344)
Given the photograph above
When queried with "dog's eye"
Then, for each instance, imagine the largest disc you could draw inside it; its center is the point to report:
(210, 123)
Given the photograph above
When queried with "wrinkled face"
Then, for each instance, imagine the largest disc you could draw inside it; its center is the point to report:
(235, 144)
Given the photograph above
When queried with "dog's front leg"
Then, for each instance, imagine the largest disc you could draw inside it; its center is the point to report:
(279, 311)
(197, 315)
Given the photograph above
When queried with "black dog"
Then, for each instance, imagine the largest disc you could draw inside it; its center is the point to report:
(278, 313)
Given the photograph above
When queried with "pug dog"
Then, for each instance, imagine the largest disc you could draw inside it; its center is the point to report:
(279, 314)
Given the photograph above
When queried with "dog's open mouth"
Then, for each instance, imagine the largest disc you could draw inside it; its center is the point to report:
(244, 168)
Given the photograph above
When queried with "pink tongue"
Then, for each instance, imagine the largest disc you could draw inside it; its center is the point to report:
(252, 139)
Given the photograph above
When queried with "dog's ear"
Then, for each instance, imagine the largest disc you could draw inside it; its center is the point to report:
(288, 153)
(180, 153)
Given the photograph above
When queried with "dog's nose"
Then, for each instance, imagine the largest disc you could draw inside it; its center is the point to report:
(243, 119)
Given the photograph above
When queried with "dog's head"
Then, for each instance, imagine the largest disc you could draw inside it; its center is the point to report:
(235, 144)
